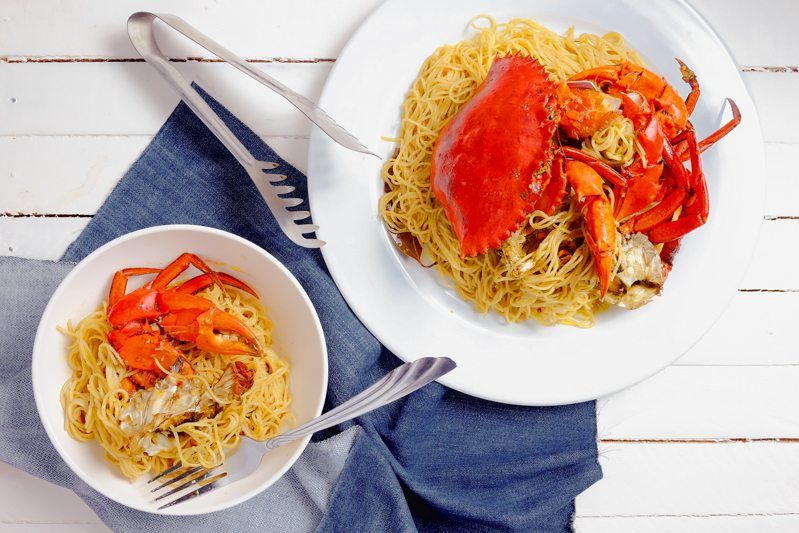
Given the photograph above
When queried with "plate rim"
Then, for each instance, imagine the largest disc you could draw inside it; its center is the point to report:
(40, 401)
(318, 138)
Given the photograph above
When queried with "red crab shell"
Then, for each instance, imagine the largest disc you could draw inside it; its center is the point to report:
(490, 158)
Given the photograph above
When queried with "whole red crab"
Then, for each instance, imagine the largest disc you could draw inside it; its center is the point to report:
(500, 157)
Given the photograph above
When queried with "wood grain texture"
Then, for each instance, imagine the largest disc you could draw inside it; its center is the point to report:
(740, 478)
(78, 171)
(129, 98)
(61, 152)
(23, 495)
(769, 271)
(686, 524)
(269, 29)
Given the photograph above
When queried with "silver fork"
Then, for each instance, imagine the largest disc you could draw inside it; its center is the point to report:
(400, 382)
(140, 30)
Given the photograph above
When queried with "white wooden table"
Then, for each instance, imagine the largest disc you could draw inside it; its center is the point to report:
(710, 444)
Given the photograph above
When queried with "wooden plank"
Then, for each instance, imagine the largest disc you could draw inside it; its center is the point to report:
(38, 238)
(274, 29)
(782, 189)
(705, 403)
(130, 99)
(681, 524)
(772, 266)
(770, 269)
(758, 328)
(22, 497)
(33, 527)
(757, 33)
(777, 115)
(301, 28)
(79, 172)
(752, 478)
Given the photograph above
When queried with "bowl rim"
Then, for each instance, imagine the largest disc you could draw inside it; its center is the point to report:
(41, 402)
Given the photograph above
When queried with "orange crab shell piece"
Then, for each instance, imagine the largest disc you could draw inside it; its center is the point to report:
(490, 157)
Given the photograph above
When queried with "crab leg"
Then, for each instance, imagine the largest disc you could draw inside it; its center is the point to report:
(600, 226)
(682, 146)
(555, 188)
(214, 320)
(120, 282)
(176, 267)
(714, 137)
(689, 77)
(196, 284)
(195, 319)
(603, 169)
(698, 207)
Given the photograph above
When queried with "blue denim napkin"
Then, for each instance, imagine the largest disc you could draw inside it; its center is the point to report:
(436, 461)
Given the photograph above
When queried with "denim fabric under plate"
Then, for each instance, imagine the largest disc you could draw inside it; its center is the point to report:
(436, 461)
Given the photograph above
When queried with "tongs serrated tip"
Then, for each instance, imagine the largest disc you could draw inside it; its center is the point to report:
(140, 30)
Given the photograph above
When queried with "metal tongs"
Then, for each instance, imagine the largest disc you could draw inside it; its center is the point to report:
(140, 30)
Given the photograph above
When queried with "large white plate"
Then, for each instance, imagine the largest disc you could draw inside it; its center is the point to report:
(412, 311)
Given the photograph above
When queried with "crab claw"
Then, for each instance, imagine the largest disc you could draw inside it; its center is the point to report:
(145, 351)
(599, 224)
(212, 328)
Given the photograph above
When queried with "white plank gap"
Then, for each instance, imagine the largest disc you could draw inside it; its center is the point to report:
(76, 173)
(79, 171)
(307, 28)
(62, 152)
(130, 99)
(756, 478)
(23, 497)
(769, 268)
(684, 524)
(705, 403)
(758, 328)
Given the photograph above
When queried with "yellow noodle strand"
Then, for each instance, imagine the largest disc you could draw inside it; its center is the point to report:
(535, 282)
(93, 398)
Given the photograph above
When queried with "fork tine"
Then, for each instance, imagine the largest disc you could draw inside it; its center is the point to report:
(312, 243)
(292, 202)
(207, 486)
(299, 215)
(176, 466)
(275, 178)
(184, 475)
(193, 481)
(268, 165)
(283, 189)
(307, 228)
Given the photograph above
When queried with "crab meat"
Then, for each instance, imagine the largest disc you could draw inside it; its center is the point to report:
(174, 400)
(640, 273)
(513, 255)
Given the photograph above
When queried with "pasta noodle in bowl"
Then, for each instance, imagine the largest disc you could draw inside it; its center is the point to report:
(98, 407)
(293, 363)
(548, 267)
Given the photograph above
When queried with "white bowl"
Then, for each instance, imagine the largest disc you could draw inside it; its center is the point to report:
(298, 337)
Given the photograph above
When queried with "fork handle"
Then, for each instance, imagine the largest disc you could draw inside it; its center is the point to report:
(140, 30)
(398, 383)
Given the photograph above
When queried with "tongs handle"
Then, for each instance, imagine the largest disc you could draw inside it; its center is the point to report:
(140, 30)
